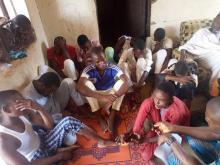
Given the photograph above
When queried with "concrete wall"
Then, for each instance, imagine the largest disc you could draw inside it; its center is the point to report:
(170, 13)
(24, 70)
(68, 18)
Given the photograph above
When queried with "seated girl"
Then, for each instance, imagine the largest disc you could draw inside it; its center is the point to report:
(162, 106)
(21, 145)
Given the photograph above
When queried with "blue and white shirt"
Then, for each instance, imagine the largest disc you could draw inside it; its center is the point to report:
(107, 80)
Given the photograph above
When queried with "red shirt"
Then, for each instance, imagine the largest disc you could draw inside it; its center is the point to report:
(177, 113)
(59, 59)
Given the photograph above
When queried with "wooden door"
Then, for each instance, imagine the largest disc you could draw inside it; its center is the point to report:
(122, 17)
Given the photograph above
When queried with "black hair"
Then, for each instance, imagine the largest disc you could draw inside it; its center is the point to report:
(159, 34)
(167, 87)
(22, 21)
(82, 39)
(181, 68)
(5, 96)
(59, 38)
(50, 79)
(139, 44)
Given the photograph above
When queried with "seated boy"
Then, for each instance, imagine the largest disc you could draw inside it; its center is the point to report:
(204, 141)
(161, 47)
(184, 79)
(63, 58)
(84, 45)
(51, 93)
(21, 145)
(104, 86)
(162, 106)
(136, 64)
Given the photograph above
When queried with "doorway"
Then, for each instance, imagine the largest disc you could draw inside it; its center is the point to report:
(122, 17)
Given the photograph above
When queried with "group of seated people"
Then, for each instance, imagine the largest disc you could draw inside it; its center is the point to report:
(33, 128)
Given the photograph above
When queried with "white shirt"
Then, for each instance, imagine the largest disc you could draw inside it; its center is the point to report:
(167, 43)
(142, 64)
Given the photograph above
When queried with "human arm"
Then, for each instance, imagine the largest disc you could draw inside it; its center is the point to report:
(203, 133)
(182, 79)
(184, 157)
(36, 113)
(10, 155)
(167, 59)
(119, 45)
(142, 79)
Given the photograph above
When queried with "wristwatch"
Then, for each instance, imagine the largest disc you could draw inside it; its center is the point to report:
(170, 140)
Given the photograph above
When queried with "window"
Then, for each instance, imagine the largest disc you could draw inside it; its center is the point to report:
(11, 8)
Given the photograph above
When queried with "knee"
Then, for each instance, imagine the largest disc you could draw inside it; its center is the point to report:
(68, 62)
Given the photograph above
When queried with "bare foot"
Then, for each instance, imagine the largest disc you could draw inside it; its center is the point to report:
(103, 124)
(105, 143)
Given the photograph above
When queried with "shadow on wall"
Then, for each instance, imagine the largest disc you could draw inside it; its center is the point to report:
(77, 18)
(44, 51)
(170, 31)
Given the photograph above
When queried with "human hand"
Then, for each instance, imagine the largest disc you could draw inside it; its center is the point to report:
(27, 104)
(66, 155)
(163, 138)
(109, 98)
(163, 127)
(185, 79)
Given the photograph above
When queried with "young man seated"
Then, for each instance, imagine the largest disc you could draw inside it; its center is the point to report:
(162, 106)
(84, 46)
(52, 94)
(136, 64)
(21, 145)
(161, 47)
(184, 79)
(104, 86)
(63, 58)
(123, 43)
(204, 141)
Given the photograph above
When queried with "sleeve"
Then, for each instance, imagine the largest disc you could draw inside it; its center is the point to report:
(85, 73)
(145, 63)
(117, 71)
(49, 54)
(190, 44)
(141, 116)
(168, 43)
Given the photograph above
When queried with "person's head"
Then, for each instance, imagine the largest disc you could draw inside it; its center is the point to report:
(47, 84)
(215, 28)
(139, 46)
(59, 42)
(84, 42)
(8, 100)
(212, 113)
(163, 95)
(98, 58)
(22, 24)
(159, 34)
(181, 69)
